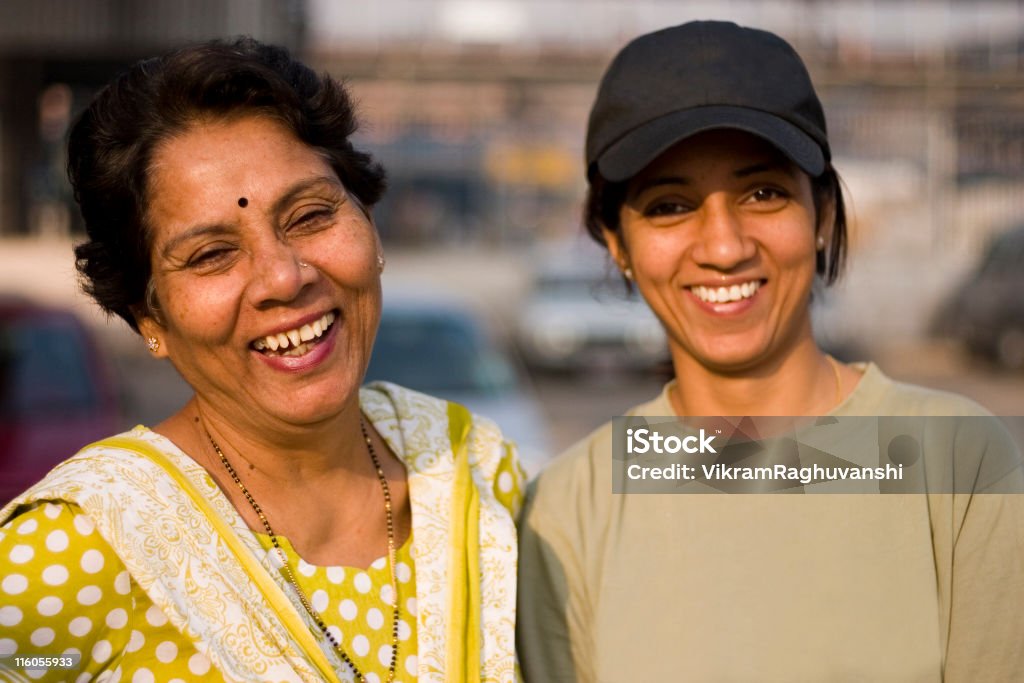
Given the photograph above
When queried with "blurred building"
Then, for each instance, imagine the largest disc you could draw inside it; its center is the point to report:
(54, 54)
(478, 107)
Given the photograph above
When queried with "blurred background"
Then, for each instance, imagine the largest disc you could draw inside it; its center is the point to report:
(478, 108)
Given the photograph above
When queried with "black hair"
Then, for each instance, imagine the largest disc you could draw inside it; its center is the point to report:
(112, 142)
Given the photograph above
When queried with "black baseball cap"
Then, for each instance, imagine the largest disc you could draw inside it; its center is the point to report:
(668, 85)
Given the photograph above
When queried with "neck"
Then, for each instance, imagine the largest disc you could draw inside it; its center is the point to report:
(801, 382)
(317, 485)
(285, 453)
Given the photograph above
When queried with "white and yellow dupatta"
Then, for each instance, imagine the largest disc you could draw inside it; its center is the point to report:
(187, 547)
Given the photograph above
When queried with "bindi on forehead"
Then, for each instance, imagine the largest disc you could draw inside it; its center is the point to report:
(243, 202)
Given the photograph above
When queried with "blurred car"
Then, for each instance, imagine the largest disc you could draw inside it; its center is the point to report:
(578, 316)
(437, 346)
(56, 392)
(987, 311)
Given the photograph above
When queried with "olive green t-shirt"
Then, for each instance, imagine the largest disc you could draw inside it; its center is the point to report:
(756, 587)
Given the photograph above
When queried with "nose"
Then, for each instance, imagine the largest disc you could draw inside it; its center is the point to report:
(723, 243)
(279, 273)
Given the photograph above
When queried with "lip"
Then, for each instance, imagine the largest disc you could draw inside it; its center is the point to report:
(725, 281)
(316, 356)
(731, 308)
(297, 323)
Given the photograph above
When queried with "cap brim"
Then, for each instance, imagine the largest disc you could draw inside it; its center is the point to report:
(634, 151)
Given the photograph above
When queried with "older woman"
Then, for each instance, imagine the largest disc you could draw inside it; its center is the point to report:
(285, 524)
(712, 187)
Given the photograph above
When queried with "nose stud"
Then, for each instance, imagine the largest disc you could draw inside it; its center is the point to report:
(303, 264)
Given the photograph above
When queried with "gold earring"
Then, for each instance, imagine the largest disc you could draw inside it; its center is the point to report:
(153, 343)
(380, 263)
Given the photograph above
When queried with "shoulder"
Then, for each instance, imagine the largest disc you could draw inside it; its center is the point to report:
(878, 394)
(958, 436)
(413, 413)
(577, 484)
(89, 473)
(60, 573)
(422, 430)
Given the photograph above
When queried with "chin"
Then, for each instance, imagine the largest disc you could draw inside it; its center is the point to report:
(303, 409)
(722, 356)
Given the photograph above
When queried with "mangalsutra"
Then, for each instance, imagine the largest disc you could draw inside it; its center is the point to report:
(290, 577)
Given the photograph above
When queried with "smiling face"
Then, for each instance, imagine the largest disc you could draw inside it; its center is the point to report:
(265, 271)
(719, 233)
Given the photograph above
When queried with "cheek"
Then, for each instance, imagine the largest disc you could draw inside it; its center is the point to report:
(799, 254)
(201, 311)
(656, 256)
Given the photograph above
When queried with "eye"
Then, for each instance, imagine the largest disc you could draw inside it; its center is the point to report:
(211, 257)
(312, 219)
(666, 208)
(768, 197)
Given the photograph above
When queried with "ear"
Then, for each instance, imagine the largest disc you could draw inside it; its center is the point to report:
(149, 328)
(826, 218)
(617, 249)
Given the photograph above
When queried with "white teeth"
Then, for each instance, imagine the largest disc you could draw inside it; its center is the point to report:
(293, 342)
(714, 295)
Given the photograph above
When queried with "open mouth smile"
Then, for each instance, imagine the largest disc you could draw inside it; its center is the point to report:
(722, 295)
(295, 342)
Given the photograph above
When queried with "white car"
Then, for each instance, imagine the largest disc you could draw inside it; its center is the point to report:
(578, 316)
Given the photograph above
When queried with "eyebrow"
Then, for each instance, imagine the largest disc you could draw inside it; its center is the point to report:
(219, 228)
(302, 186)
(744, 172)
(192, 233)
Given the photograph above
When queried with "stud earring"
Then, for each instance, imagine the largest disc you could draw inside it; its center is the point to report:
(820, 242)
(153, 344)
(628, 273)
(380, 263)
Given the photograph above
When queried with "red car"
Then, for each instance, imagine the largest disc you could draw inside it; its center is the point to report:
(56, 392)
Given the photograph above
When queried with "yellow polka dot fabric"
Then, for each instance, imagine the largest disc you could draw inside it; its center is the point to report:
(355, 604)
(63, 591)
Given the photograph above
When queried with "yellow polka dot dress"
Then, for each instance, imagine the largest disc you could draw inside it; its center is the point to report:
(64, 591)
